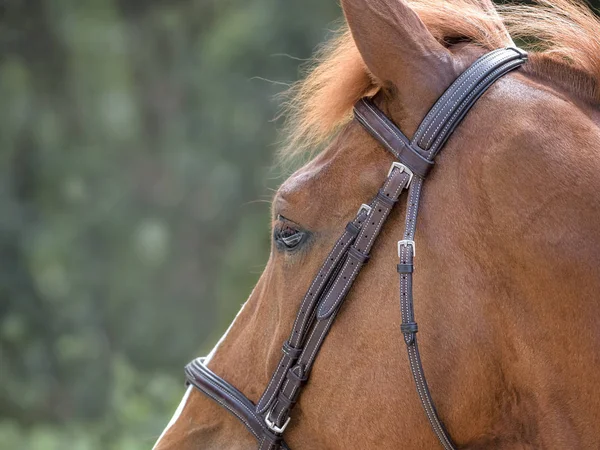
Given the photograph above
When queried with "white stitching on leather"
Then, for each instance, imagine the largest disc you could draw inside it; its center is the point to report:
(350, 278)
(470, 96)
(473, 74)
(303, 352)
(420, 133)
(443, 99)
(405, 287)
(312, 333)
(383, 141)
(385, 124)
(336, 249)
(411, 349)
(412, 208)
(319, 342)
(386, 211)
(404, 294)
(273, 378)
(345, 236)
(234, 412)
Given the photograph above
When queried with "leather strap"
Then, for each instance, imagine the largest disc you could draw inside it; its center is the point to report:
(305, 315)
(388, 135)
(202, 378)
(332, 301)
(460, 97)
(432, 134)
(322, 302)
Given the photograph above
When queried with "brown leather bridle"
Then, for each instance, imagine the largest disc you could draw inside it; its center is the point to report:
(268, 419)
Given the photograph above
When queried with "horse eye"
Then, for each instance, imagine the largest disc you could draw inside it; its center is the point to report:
(287, 237)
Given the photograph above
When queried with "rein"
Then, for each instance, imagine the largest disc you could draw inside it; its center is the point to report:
(268, 419)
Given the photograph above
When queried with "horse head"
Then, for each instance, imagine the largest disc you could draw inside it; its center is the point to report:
(507, 274)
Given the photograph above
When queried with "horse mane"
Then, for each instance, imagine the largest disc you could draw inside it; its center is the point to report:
(562, 37)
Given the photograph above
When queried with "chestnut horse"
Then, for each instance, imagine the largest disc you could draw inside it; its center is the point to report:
(507, 286)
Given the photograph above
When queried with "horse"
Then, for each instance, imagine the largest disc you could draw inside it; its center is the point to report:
(507, 275)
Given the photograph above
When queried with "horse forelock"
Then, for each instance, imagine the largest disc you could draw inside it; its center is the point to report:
(562, 36)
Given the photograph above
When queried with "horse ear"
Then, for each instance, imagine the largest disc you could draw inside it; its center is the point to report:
(399, 51)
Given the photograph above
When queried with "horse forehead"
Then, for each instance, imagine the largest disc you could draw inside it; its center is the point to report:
(332, 172)
(320, 169)
(299, 181)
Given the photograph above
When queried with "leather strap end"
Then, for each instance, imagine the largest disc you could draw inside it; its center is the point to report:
(352, 229)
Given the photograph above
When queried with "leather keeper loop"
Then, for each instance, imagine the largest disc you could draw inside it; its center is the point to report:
(412, 159)
(286, 402)
(297, 378)
(405, 268)
(387, 201)
(419, 166)
(290, 351)
(352, 229)
(410, 327)
(358, 255)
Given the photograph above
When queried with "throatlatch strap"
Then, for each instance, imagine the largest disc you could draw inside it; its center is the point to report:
(432, 134)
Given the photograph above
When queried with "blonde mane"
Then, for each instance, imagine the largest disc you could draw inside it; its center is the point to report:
(562, 36)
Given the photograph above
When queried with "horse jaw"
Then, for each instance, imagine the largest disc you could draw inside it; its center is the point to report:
(184, 400)
(176, 416)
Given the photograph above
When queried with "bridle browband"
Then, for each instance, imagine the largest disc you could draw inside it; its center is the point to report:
(268, 419)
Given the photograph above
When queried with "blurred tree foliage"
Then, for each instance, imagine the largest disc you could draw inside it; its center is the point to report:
(136, 138)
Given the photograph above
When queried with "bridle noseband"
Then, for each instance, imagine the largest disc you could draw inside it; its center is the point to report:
(268, 419)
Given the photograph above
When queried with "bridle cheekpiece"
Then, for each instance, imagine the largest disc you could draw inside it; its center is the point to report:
(268, 420)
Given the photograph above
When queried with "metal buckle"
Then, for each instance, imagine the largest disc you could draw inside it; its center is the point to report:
(364, 207)
(274, 428)
(406, 243)
(403, 168)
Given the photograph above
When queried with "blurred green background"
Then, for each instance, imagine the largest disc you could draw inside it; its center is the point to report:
(136, 152)
(137, 143)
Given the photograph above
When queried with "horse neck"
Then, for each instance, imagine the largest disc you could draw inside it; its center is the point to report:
(511, 236)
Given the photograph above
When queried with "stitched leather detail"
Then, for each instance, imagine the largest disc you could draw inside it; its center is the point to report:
(305, 314)
(358, 256)
(405, 268)
(385, 199)
(410, 327)
(290, 351)
(352, 229)
(386, 133)
(325, 297)
(202, 378)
